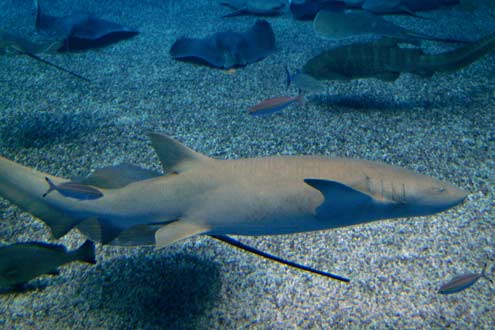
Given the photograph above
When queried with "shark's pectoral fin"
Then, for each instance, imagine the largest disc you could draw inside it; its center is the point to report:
(174, 156)
(339, 198)
(176, 231)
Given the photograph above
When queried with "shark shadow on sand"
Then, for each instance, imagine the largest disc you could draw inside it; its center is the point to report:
(169, 290)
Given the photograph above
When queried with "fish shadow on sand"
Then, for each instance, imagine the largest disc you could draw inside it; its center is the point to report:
(157, 290)
(35, 285)
(368, 103)
(37, 129)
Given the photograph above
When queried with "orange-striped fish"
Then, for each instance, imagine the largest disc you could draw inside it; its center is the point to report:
(275, 104)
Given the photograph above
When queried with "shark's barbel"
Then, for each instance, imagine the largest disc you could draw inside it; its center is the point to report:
(202, 195)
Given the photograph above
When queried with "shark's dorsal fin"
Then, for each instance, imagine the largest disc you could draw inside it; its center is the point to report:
(176, 231)
(174, 156)
(338, 197)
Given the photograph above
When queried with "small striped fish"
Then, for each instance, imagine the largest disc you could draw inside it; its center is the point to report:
(275, 104)
(73, 190)
(461, 282)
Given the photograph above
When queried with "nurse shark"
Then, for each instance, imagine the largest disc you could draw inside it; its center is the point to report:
(202, 195)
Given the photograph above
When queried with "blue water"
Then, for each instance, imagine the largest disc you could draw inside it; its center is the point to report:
(442, 126)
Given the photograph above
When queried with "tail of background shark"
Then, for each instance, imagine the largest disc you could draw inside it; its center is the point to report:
(457, 58)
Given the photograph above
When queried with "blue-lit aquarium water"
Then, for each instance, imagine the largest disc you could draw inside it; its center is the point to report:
(99, 114)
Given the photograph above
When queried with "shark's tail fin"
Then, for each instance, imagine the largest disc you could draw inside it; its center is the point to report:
(25, 187)
(459, 57)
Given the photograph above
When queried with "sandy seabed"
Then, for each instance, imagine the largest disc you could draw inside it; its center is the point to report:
(442, 126)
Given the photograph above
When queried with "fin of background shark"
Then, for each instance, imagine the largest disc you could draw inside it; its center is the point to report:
(348, 198)
(176, 231)
(174, 156)
(24, 187)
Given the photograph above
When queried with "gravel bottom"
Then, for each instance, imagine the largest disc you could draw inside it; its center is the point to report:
(442, 126)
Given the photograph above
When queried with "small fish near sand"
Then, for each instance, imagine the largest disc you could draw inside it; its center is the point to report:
(462, 282)
(22, 262)
(73, 190)
(275, 104)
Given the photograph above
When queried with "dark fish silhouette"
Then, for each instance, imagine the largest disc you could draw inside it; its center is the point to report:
(81, 31)
(409, 7)
(73, 190)
(228, 49)
(21, 262)
(254, 7)
(339, 24)
(307, 10)
(12, 44)
(461, 282)
(385, 60)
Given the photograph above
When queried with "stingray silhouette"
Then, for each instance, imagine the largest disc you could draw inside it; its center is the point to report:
(81, 31)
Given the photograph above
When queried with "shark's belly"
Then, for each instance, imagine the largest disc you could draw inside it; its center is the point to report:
(259, 209)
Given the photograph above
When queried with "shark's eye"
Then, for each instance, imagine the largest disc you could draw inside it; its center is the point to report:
(438, 190)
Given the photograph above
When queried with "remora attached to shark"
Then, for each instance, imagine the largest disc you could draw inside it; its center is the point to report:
(254, 196)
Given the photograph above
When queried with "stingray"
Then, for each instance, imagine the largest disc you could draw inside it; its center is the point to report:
(350, 23)
(12, 44)
(228, 49)
(81, 31)
(254, 7)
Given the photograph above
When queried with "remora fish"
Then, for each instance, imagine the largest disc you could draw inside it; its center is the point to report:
(73, 190)
(461, 282)
(275, 104)
(384, 59)
(21, 262)
(254, 196)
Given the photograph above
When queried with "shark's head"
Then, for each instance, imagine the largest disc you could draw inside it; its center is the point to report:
(424, 195)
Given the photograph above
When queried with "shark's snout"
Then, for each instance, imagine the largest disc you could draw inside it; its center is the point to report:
(441, 196)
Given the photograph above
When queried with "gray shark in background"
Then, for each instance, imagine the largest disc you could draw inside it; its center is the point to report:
(384, 59)
(401, 6)
(254, 196)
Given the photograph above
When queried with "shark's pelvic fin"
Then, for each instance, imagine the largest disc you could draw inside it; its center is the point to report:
(174, 156)
(338, 197)
(176, 231)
